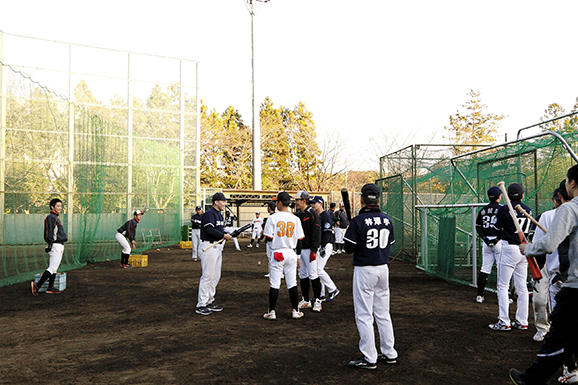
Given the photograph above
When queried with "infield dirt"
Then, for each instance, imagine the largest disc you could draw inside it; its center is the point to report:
(138, 326)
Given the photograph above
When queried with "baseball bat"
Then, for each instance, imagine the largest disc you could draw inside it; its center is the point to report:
(521, 210)
(532, 264)
(346, 202)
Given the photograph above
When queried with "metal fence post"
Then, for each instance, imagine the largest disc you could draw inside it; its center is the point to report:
(2, 136)
(424, 247)
(70, 185)
(181, 145)
(129, 141)
(474, 248)
(197, 138)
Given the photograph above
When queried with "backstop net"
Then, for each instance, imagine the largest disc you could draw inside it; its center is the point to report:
(433, 193)
(105, 131)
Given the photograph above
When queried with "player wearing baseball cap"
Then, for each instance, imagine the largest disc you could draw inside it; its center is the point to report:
(369, 237)
(284, 230)
(212, 231)
(341, 223)
(125, 236)
(196, 232)
(307, 248)
(492, 247)
(257, 223)
(326, 247)
(512, 263)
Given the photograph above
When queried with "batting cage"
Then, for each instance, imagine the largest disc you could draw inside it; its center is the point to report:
(433, 194)
(107, 132)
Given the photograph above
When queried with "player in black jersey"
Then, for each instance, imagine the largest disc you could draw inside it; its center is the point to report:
(486, 229)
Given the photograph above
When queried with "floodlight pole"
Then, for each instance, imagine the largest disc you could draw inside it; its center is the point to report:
(254, 108)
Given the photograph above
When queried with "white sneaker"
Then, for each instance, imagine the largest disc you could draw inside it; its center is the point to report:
(479, 299)
(270, 316)
(304, 304)
(539, 336)
(568, 377)
(317, 305)
(296, 314)
(249, 245)
(266, 275)
(257, 245)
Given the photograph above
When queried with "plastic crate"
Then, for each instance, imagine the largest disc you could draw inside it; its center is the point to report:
(59, 282)
(137, 260)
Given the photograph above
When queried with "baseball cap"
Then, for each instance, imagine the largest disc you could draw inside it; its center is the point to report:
(515, 191)
(137, 212)
(494, 192)
(332, 205)
(317, 199)
(198, 208)
(370, 191)
(219, 197)
(284, 198)
(341, 204)
(257, 213)
(272, 206)
(302, 195)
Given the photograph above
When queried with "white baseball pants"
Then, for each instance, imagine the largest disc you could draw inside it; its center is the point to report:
(256, 233)
(371, 299)
(326, 280)
(339, 234)
(512, 262)
(196, 242)
(211, 261)
(287, 266)
(489, 256)
(540, 303)
(121, 239)
(308, 268)
(55, 257)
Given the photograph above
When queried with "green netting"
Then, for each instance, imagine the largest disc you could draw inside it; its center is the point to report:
(436, 175)
(75, 152)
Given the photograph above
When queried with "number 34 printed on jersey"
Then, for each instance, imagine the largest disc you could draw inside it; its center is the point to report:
(376, 238)
(285, 229)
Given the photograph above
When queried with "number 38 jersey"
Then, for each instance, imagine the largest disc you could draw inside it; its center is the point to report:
(506, 226)
(372, 234)
(284, 229)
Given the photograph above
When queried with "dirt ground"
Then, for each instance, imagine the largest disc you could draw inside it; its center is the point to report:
(138, 326)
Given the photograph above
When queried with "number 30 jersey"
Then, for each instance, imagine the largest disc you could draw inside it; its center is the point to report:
(506, 225)
(372, 234)
(284, 229)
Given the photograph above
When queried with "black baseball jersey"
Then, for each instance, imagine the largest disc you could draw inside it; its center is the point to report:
(212, 225)
(370, 235)
(53, 229)
(129, 229)
(327, 232)
(311, 228)
(506, 226)
(195, 221)
(486, 222)
(341, 218)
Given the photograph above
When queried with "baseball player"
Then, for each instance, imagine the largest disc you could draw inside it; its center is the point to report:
(325, 247)
(55, 237)
(333, 214)
(369, 237)
(257, 223)
(492, 247)
(125, 236)
(229, 219)
(212, 230)
(196, 232)
(512, 263)
(284, 230)
(307, 249)
(562, 338)
(341, 223)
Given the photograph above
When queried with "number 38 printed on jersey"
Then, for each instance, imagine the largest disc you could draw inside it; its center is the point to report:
(376, 238)
(285, 229)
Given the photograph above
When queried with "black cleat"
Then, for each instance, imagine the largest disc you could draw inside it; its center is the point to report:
(203, 310)
(362, 364)
(517, 377)
(213, 307)
(53, 290)
(386, 359)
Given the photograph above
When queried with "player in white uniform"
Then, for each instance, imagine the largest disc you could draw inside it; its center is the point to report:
(196, 232)
(284, 229)
(369, 236)
(271, 206)
(257, 223)
(512, 263)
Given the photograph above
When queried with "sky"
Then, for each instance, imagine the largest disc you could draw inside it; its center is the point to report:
(376, 74)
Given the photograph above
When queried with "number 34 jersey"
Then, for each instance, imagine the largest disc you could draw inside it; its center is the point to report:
(506, 226)
(284, 229)
(372, 234)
